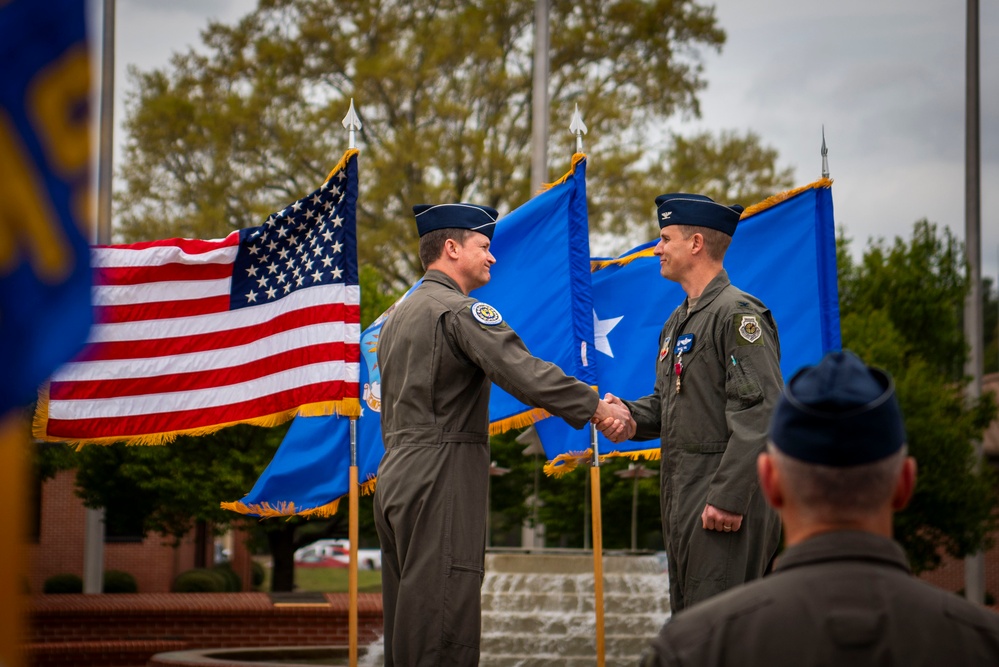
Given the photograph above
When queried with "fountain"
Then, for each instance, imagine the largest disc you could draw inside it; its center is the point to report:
(537, 611)
(538, 608)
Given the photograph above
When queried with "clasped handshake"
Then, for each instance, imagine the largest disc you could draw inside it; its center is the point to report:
(614, 420)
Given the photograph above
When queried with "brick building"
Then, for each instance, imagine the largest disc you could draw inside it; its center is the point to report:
(56, 545)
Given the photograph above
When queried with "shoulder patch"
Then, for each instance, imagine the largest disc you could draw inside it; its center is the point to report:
(485, 314)
(748, 329)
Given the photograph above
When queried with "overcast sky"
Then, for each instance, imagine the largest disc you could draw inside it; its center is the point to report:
(885, 77)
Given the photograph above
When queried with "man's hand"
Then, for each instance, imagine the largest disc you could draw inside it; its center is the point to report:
(713, 518)
(614, 419)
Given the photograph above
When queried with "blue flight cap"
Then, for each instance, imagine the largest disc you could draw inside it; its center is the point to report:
(838, 413)
(480, 219)
(680, 208)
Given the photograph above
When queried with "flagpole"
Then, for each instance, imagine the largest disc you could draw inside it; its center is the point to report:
(352, 123)
(598, 546)
(578, 128)
(352, 536)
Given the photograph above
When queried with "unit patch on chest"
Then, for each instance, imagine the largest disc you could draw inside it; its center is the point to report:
(485, 314)
(749, 330)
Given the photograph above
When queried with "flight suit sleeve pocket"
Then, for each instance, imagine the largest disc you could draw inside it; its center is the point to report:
(742, 382)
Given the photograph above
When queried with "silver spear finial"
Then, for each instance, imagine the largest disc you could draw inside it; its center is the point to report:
(825, 155)
(351, 122)
(578, 128)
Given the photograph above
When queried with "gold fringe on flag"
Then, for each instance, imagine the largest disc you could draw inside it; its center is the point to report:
(576, 159)
(287, 509)
(597, 264)
(569, 461)
(348, 407)
(342, 164)
(773, 200)
(518, 421)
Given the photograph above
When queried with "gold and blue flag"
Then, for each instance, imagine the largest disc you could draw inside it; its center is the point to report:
(784, 253)
(541, 285)
(44, 192)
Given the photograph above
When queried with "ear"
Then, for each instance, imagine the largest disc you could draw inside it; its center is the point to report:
(696, 243)
(451, 248)
(905, 485)
(769, 480)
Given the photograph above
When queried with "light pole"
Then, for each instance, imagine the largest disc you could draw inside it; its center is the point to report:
(635, 472)
(494, 471)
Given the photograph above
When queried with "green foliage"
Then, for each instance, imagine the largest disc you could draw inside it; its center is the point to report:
(901, 310)
(233, 582)
(117, 581)
(229, 134)
(63, 583)
(563, 500)
(199, 581)
(171, 487)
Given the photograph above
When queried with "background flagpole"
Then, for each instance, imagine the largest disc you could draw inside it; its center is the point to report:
(352, 123)
(577, 127)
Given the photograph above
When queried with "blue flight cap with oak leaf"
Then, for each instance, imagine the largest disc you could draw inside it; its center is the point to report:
(838, 413)
(477, 218)
(681, 208)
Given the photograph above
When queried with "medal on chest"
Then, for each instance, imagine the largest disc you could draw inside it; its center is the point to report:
(683, 344)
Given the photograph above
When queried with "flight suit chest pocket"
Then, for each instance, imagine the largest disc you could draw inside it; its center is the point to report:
(742, 381)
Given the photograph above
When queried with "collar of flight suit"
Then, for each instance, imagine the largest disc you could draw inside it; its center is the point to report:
(711, 291)
(844, 545)
(433, 275)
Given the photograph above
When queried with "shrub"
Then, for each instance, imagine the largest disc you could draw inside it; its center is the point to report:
(199, 581)
(63, 583)
(116, 581)
(233, 582)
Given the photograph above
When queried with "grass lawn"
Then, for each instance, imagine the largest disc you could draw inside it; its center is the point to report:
(330, 580)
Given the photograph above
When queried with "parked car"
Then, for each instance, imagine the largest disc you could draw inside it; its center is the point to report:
(336, 553)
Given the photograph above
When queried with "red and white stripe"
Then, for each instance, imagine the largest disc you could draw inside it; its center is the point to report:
(167, 356)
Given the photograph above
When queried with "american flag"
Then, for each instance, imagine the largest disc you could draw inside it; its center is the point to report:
(191, 336)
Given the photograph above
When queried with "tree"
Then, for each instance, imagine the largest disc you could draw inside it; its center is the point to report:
(225, 136)
(900, 309)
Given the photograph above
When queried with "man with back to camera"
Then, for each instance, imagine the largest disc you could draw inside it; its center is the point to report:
(438, 352)
(836, 469)
(717, 380)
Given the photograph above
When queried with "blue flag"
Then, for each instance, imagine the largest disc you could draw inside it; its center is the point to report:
(541, 285)
(309, 473)
(783, 253)
(45, 165)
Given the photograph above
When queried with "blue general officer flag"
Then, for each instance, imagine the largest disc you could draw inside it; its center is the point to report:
(541, 285)
(44, 180)
(310, 472)
(784, 252)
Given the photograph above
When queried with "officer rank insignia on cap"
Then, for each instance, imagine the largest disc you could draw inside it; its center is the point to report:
(486, 314)
(748, 328)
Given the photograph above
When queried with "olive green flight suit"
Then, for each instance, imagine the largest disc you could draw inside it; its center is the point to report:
(437, 361)
(711, 433)
(838, 598)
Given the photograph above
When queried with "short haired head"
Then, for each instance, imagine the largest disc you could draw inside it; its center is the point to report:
(838, 413)
(680, 208)
(473, 217)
